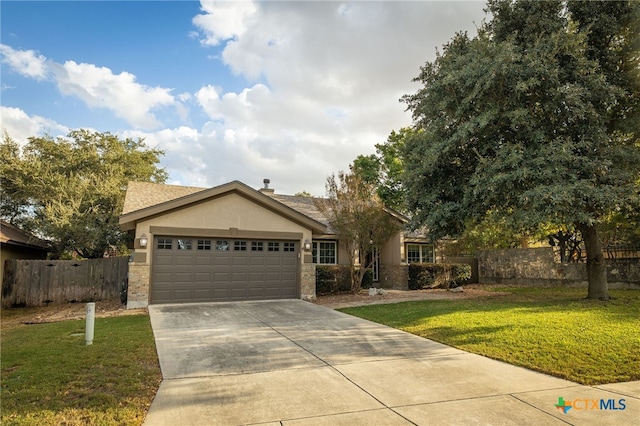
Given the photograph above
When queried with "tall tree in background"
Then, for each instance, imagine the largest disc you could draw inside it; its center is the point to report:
(385, 169)
(534, 120)
(71, 190)
(359, 219)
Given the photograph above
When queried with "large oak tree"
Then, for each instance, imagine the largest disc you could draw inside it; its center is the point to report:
(535, 120)
(71, 190)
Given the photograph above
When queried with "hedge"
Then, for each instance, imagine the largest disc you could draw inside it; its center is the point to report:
(337, 278)
(438, 275)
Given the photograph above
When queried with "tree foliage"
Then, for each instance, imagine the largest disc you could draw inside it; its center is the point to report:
(359, 219)
(71, 190)
(534, 120)
(385, 169)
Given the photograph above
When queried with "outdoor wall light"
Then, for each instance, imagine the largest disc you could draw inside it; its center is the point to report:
(143, 240)
(307, 245)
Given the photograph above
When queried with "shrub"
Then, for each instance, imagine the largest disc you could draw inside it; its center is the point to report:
(337, 278)
(332, 278)
(438, 275)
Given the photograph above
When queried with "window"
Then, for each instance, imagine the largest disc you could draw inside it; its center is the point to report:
(184, 244)
(273, 246)
(289, 247)
(222, 245)
(324, 252)
(165, 243)
(240, 245)
(204, 244)
(420, 253)
(256, 245)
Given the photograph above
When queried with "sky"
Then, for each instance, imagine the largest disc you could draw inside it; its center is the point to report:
(292, 91)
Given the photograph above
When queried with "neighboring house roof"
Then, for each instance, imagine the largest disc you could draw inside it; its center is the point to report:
(12, 235)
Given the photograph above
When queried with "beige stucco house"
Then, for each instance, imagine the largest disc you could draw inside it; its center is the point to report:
(233, 242)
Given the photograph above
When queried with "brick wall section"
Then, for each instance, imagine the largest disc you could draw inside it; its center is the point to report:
(138, 294)
(394, 276)
(308, 281)
(538, 266)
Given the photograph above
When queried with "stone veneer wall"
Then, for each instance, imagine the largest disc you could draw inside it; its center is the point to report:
(394, 276)
(308, 281)
(538, 266)
(138, 293)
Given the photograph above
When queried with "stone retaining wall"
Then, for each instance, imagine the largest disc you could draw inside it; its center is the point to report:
(538, 266)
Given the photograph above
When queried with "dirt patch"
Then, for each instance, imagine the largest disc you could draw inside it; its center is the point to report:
(345, 300)
(64, 312)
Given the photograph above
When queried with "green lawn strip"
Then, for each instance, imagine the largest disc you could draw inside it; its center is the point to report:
(50, 377)
(551, 330)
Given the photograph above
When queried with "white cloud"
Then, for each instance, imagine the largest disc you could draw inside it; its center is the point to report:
(97, 87)
(100, 87)
(20, 126)
(325, 80)
(224, 20)
(25, 62)
(331, 77)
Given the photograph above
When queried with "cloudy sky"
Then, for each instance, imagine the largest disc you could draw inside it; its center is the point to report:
(292, 91)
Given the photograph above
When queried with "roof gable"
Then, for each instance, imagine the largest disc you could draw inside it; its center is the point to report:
(148, 199)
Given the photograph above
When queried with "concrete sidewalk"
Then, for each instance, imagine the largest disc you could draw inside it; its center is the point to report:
(295, 363)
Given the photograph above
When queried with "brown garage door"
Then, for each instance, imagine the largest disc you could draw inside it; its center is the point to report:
(187, 269)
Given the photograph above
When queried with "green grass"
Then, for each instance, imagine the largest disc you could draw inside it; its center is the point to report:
(552, 330)
(49, 376)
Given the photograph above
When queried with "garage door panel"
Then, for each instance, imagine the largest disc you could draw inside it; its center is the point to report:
(288, 276)
(202, 277)
(194, 273)
(183, 277)
(241, 260)
(256, 277)
(289, 261)
(183, 259)
(202, 260)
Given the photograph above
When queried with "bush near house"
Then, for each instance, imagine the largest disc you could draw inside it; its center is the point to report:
(438, 275)
(337, 278)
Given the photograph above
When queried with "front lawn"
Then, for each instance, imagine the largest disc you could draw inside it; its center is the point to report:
(553, 330)
(49, 377)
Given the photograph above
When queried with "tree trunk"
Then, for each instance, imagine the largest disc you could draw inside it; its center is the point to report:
(596, 265)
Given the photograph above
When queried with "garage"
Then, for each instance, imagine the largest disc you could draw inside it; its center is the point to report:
(188, 269)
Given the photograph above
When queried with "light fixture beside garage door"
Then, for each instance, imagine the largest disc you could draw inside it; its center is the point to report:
(307, 245)
(143, 240)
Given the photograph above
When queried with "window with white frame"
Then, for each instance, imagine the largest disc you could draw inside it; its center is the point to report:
(420, 253)
(324, 252)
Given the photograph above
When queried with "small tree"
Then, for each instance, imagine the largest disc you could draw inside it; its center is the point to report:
(359, 219)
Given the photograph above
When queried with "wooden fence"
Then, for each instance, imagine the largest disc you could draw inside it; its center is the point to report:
(39, 282)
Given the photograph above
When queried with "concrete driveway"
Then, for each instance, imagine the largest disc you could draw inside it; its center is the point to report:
(295, 363)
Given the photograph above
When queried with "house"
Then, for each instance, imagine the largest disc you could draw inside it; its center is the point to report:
(18, 244)
(232, 242)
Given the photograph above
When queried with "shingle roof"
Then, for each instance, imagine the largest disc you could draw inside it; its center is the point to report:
(141, 195)
(146, 194)
(304, 205)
